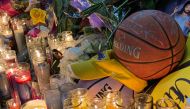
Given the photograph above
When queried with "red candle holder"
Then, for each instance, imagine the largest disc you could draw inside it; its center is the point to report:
(22, 73)
(13, 104)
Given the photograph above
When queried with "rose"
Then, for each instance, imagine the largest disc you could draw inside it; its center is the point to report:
(38, 16)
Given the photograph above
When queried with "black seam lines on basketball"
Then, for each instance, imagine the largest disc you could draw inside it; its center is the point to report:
(121, 88)
(124, 60)
(120, 28)
(172, 52)
(143, 40)
(96, 82)
(159, 70)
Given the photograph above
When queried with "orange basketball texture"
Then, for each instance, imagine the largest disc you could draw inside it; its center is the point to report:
(149, 43)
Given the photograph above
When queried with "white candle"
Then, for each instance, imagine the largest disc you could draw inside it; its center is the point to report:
(19, 37)
(7, 33)
(5, 19)
(34, 104)
(68, 38)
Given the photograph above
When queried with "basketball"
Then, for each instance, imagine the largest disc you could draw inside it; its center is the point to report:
(149, 43)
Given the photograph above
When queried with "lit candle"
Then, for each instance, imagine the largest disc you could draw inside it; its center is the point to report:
(19, 37)
(34, 104)
(68, 38)
(10, 57)
(69, 41)
(5, 19)
(12, 104)
(23, 73)
(23, 77)
(7, 33)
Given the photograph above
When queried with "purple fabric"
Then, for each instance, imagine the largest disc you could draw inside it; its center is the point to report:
(33, 32)
(95, 21)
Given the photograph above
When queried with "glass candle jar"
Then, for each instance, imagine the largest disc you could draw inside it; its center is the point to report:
(79, 94)
(34, 104)
(10, 57)
(12, 104)
(53, 99)
(143, 101)
(113, 99)
(96, 103)
(72, 103)
(4, 84)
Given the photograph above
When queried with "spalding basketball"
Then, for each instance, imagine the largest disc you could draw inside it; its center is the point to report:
(149, 43)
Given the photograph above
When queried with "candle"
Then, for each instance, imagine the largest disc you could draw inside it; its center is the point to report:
(34, 104)
(7, 33)
(10, 57)
(20, 39)
(23, 77)
(12, 104)
(9, 40)
(22, 73)
(5, 19)
(68, 38)
(4, 84)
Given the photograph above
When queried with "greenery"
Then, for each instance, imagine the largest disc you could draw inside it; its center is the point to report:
(112, 12)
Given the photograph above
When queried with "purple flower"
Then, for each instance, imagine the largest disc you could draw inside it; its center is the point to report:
(95, 21)
(33, 32)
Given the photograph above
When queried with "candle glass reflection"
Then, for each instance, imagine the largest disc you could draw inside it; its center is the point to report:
(34, 104)
(57, 80)
(143, 101)
(23, 80)
(12, 104)
(64, 89)
(113, 99)
(80, 94)
(166, 103)
(42, 70)
(19, 36)
(53, 99)
(56, 43)
(4, 84)
(23, 73)
(10, 57)
(72, 103)
(96, 103)
(68, 39)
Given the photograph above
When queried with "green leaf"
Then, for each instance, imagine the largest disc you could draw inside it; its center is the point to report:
(147, 4)
(91, 9)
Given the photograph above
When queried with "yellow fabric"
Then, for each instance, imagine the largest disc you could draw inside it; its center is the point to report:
(94, 69)
(187, 52)
(120, 73)
(176, 86)
(38, 16)
(87, 71)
